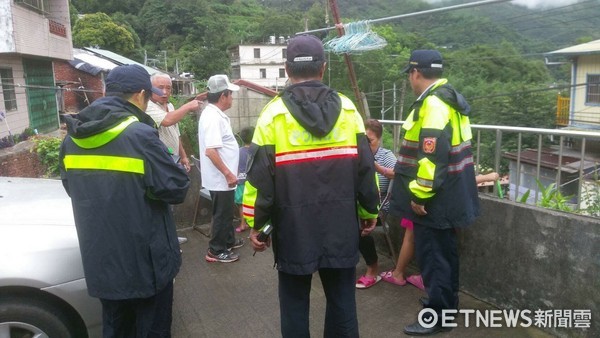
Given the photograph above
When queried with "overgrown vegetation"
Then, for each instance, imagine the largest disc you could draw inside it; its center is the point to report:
(552, 198)
(48, 149)
(591, 195)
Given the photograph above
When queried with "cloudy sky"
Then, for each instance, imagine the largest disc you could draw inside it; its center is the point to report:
(534, 3)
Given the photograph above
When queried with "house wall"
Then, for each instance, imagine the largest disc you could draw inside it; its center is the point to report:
(7, 41)
(74, 101)
(272, 79)
(32, 33)
(583, 113)
(16, 120)
(271, 59)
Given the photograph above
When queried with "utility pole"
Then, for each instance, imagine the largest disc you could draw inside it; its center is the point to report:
(401, 106)
(351, 73)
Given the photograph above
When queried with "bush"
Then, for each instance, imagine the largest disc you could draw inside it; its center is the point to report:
(48, 149)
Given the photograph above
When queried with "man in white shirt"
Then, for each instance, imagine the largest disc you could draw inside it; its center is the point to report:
(219, 157)
(167, 117)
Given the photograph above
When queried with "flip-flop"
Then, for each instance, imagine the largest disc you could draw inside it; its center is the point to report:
(417, 281)
(388, 276)
(365, 282)
(240, 229)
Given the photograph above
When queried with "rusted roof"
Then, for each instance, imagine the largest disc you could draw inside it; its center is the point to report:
(549, 159)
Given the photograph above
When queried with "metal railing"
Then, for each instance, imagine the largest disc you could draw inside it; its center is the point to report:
(498, 133)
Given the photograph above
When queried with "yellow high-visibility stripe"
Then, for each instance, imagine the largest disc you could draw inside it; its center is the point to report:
(101, 162)
(103, 138)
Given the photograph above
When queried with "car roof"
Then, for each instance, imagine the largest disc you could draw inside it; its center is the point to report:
(34, 201)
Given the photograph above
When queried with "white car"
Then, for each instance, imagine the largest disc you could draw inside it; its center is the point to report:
(42, 288)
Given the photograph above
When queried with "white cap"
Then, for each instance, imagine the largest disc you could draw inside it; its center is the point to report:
(220, 82)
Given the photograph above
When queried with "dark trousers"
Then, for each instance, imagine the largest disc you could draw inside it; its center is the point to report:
(222, 233)
(437, 255)
(340, 313)
(138, 317)
(366, 246)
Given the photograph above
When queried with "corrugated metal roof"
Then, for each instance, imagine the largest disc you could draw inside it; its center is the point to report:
(93, 60)
(119, 59)
(592, 47)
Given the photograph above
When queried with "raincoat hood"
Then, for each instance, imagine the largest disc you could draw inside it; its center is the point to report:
(102, 115)
(315, 106)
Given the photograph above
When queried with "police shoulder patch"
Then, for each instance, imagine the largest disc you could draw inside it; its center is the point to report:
(429, 145)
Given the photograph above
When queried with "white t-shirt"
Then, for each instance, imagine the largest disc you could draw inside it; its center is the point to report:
(214, 131)
(168, 135)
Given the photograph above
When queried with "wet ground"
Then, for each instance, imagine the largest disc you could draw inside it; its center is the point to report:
(240, 300)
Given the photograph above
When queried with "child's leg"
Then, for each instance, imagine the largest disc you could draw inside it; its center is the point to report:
(406, 254)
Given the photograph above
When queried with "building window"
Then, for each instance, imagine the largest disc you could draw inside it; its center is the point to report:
(37, 5)
(284, 53)
(281, 72)
(8, 89)
(263, 73)
(257, 53)
(593, 89)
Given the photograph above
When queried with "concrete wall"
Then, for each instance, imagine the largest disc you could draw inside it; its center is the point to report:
(522, 257)
(247, 105)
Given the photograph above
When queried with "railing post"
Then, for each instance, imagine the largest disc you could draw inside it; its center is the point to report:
(539, 162)
(498, 150)
(560, 156)
(478, 151)
(581, 165)
(518, 178)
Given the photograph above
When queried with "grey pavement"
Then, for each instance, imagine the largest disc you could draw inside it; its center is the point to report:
(240, 300)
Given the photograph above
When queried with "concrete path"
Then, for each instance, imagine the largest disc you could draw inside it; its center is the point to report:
(240, 300)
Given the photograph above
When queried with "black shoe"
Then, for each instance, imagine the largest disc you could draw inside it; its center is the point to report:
(223, 257)
(424, 301)
(415, 329)
(237, 244)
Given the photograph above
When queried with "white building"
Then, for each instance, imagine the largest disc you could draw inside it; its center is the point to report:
(262, 64)
(33, 33)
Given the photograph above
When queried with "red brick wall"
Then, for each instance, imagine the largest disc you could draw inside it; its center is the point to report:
(74, 101)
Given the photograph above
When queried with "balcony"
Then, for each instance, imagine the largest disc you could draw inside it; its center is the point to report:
(562, 111)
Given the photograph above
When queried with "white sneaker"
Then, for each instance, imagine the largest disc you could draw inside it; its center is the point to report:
(182, 240)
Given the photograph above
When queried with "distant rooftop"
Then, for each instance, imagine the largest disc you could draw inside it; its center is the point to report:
(119, 59)
(592, 47)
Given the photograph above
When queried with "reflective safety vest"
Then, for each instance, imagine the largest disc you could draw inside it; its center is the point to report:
(104, 162)
(435, 163)
(312, 189)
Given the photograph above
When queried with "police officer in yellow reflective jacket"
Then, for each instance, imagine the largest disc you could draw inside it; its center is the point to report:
(312, 177)
(435, 180)
(121, 180)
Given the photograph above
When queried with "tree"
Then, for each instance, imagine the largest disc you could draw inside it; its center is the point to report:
(100, 30)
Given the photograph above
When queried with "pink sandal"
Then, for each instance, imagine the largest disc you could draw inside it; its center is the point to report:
(417, 281)
(240, 229)
(388, 276)
(365, 282)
